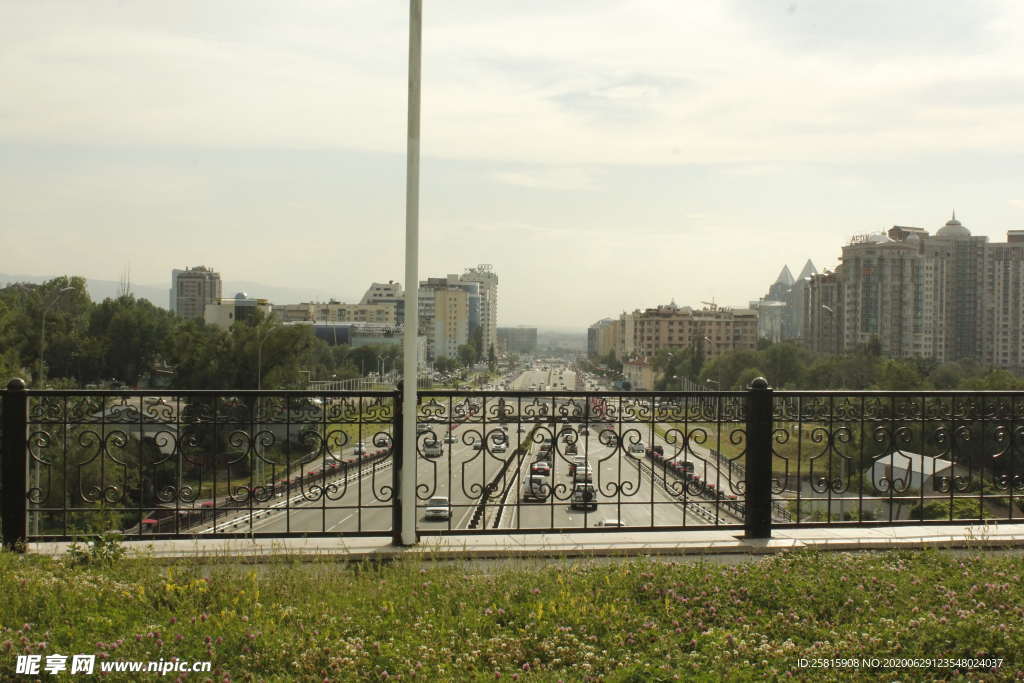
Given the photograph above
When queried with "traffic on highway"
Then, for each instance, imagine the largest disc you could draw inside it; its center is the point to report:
(532, 460)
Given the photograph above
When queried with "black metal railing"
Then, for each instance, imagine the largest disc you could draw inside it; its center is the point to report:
(171, 464)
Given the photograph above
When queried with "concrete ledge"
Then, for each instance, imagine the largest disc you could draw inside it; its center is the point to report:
(612, 544)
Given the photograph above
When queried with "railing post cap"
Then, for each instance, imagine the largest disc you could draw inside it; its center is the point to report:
(16, 384)
(759, 383)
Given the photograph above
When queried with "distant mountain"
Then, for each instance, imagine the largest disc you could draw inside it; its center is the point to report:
(160, 296)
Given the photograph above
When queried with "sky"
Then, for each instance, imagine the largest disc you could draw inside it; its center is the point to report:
(602, 155)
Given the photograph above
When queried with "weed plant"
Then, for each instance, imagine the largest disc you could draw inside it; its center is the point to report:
(631, 620)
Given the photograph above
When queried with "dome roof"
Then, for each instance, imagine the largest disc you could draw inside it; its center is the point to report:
(241, 295)
(953, 229)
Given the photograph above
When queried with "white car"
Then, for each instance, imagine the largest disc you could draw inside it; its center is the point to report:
(637, 449)
(360, 448)
(499, 448)
(439, 507)
(610, 523)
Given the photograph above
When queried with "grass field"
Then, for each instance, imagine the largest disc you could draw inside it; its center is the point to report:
(628, 620)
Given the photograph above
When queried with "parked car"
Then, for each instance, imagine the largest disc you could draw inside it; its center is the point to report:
(439, 507)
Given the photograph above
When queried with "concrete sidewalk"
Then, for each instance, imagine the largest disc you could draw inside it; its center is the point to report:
(611, 544)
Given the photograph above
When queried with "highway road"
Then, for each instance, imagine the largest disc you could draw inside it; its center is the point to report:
(626, 489)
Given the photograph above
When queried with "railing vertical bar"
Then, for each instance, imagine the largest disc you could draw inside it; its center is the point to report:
(15, 465)
(758, 517)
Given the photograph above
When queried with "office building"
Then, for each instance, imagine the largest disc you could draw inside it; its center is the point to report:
(225, 312)
(192, 289)
(781, 310)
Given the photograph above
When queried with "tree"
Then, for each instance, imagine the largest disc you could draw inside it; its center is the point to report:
(896, 375)
(135, 333)
(783, 363)
(466, 355)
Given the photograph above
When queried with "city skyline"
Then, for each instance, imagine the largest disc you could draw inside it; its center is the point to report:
(602, 161)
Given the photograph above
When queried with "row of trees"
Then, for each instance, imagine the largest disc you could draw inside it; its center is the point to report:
(791, 366)
(55, 330)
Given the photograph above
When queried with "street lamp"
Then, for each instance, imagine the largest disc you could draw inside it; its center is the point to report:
(42, 334)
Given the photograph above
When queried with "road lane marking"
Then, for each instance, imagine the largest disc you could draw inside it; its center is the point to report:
(341, 522)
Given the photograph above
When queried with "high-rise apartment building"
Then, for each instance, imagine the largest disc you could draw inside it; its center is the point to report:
(947, 296)
(444, 312)
(448, 308)
(488, 279)
(193, 288)
(601, 337)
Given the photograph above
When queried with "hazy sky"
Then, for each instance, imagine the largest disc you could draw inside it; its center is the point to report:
(602, 154)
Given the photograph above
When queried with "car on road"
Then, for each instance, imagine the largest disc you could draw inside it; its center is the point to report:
(432, 449)
(450, 438)
(578, 461)
(499, 448)
(610, 523)
(570, 448)
(360, 448)
(584, 496)
(544, 456)
(536, 488)
(439, 507)
(636, 449)
(583, 473)
(540, 467)
(422, 429)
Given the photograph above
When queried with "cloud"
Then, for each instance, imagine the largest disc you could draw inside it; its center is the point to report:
(566, 178)
(622, 83)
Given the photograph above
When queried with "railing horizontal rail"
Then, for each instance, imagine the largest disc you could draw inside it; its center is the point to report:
(227, 463)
